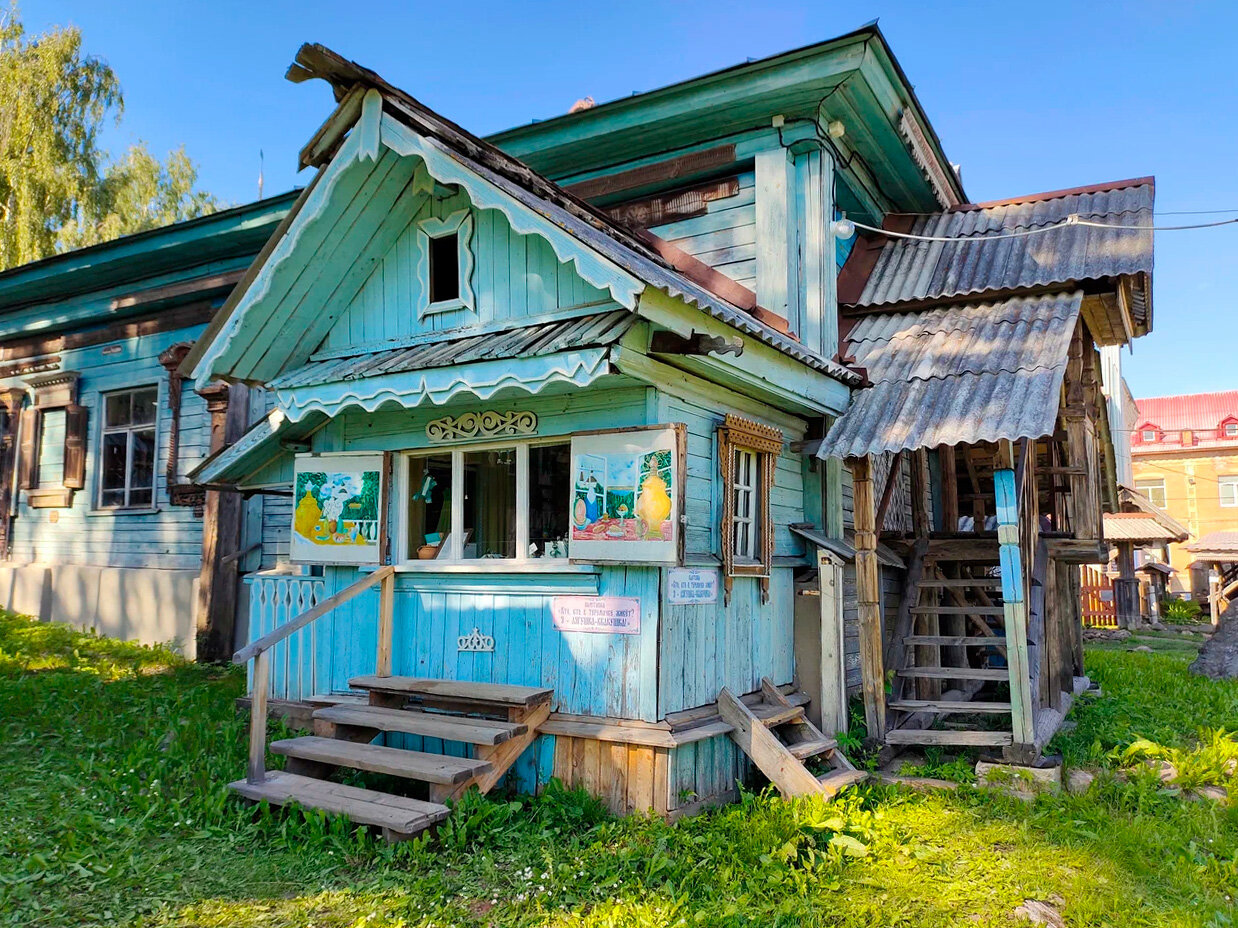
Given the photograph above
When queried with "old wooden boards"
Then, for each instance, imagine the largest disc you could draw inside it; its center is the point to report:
(868, 598)
(1022, 710)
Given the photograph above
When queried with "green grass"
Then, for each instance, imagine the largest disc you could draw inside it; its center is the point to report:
(113, 761)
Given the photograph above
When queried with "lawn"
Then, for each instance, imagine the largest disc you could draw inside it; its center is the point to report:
(113, 761)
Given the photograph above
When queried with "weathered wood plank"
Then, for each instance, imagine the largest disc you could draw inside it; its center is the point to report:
(427, 724)
(768, 753)
(376, 758)
(367, 807)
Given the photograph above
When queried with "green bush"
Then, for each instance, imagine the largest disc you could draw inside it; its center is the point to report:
(1177, 611)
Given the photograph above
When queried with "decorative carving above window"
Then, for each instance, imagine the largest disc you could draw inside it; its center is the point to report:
(472, 426)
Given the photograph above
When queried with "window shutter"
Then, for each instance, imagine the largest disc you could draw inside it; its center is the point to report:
(74, 447)
(31, 430)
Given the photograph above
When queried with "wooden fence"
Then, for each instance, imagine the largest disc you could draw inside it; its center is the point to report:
(1099, 606)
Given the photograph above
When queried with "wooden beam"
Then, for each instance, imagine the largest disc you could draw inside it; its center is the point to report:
(868, 599)
(663, 172)
(920, 503)
(949, 488)
(888, 493)
(1013, 595)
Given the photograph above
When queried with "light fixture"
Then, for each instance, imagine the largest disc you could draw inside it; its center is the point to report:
(836, 129)
(844, 228)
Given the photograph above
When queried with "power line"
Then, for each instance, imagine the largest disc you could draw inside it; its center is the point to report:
(1071, 220)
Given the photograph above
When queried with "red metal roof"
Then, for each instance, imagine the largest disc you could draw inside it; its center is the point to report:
(1202, 414)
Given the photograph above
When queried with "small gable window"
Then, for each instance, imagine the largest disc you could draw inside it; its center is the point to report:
(445, 263)
(444, 268)
(1149, 435)
(1230, 429)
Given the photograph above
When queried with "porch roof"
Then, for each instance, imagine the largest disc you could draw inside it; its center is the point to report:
(957, 374)
(527, 357)
(1216, 546)
(1138, 527)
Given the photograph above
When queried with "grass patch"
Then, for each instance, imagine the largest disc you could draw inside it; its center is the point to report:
(113, 761)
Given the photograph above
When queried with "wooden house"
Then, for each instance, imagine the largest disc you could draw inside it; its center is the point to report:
(563, 416)
(99, 526)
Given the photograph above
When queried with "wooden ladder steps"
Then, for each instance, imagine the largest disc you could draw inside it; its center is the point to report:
(811, 747)
(771, 715)
(368, 807)
(956, 673)
(935, 736)
(481, 695)
(990, 641)
(396, 762)
(965, 583)
(946, 706)
(958, 610)
(429, 724)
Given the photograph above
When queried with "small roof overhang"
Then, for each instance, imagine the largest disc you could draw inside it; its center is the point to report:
(1139, 528)
(958, 374)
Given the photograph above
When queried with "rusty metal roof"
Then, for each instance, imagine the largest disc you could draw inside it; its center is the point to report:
(962, 373)
(1138, 526)
(523, 342)
(913, 271)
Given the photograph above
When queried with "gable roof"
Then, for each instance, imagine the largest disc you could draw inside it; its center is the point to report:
(886, 271)
(957, 374)
(493, 180)
(1199, 412)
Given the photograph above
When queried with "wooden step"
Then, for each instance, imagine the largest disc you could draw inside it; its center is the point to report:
(957, 610)
(412, 765)
(430, 724)
(811, 747)
(956, 673)
(965, 583)
(836, 780)
(946, 706)
(772, 716)
(961, 738)
(484, 694)
(992, 641)
(368, 807)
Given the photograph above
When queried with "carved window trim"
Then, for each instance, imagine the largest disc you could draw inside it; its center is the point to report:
(736, 436)
(460, 223)
(50, 391)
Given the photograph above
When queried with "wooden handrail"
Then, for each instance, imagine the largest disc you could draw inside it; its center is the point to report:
(259, 652)
(254, 648)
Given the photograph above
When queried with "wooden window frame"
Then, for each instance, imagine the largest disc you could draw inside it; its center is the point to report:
(739, 436)
(459, 223)
(453, 558)
(105, 430)
(57, 390)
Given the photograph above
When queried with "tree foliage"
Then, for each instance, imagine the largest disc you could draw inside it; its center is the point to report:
(59, 189)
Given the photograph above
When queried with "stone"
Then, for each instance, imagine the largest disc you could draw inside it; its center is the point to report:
(1218, 658)
(1040, 913)
(1142, 648)
(1079, 781)
(1017, 779)
(1212, 793)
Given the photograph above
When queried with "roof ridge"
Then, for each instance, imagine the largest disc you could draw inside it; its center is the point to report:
(1126, 184)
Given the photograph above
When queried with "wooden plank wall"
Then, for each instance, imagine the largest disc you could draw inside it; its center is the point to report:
(514, 276)
(168, 539)
(725, 237)
(627, 777)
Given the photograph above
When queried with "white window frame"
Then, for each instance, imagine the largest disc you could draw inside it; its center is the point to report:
(1228, 486)
(1230, 429)
(453, 558)
(1147, 491)
(461, 224)
(105, 429)
(1148, 435)
(745, 521)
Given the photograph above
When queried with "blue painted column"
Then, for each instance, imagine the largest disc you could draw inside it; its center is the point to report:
(1022, 710)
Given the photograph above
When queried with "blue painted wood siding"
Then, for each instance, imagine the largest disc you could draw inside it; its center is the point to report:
(514, 277)
(169, 538)
(725, 237)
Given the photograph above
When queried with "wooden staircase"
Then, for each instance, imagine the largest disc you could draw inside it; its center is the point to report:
(779, 739)
(496, 723)
(951, 680)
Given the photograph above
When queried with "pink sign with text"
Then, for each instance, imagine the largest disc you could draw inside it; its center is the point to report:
(618, 615)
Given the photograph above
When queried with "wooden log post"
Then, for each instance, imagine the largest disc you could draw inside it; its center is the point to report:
(1126, 587)
(1022, 709)
(256, 771)
(868, 598)
(386, 617)
(949, 488)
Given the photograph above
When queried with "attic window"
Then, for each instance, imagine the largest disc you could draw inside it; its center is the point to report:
(1231, 429)
(1149, 435)
(445, 263)
(444, 268)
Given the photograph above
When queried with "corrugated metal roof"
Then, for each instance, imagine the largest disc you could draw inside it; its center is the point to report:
(949, 375)
(1136, 526)
(524, 342)
(911, 271)
(1225, 542)
(1202, 414)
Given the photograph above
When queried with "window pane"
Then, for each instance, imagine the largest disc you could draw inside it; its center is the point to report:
(144, 406)
(142, 463)
(140, 497)
(490, 504)
(549, 479)
(117, 409)
(113, 466)
(444, 268)
(429, 506)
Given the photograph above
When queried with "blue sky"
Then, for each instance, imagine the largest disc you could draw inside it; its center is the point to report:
(1025, 96)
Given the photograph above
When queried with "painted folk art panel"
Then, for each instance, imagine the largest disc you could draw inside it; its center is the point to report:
(335, 519)
(627, 491)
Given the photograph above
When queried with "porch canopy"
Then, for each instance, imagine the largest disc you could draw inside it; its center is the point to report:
(957, 374)
(1216, 548)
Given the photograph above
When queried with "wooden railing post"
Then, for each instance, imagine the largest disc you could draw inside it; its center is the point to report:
(256, 772)
(868, 599)
(386, 614)
(1022, 708)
